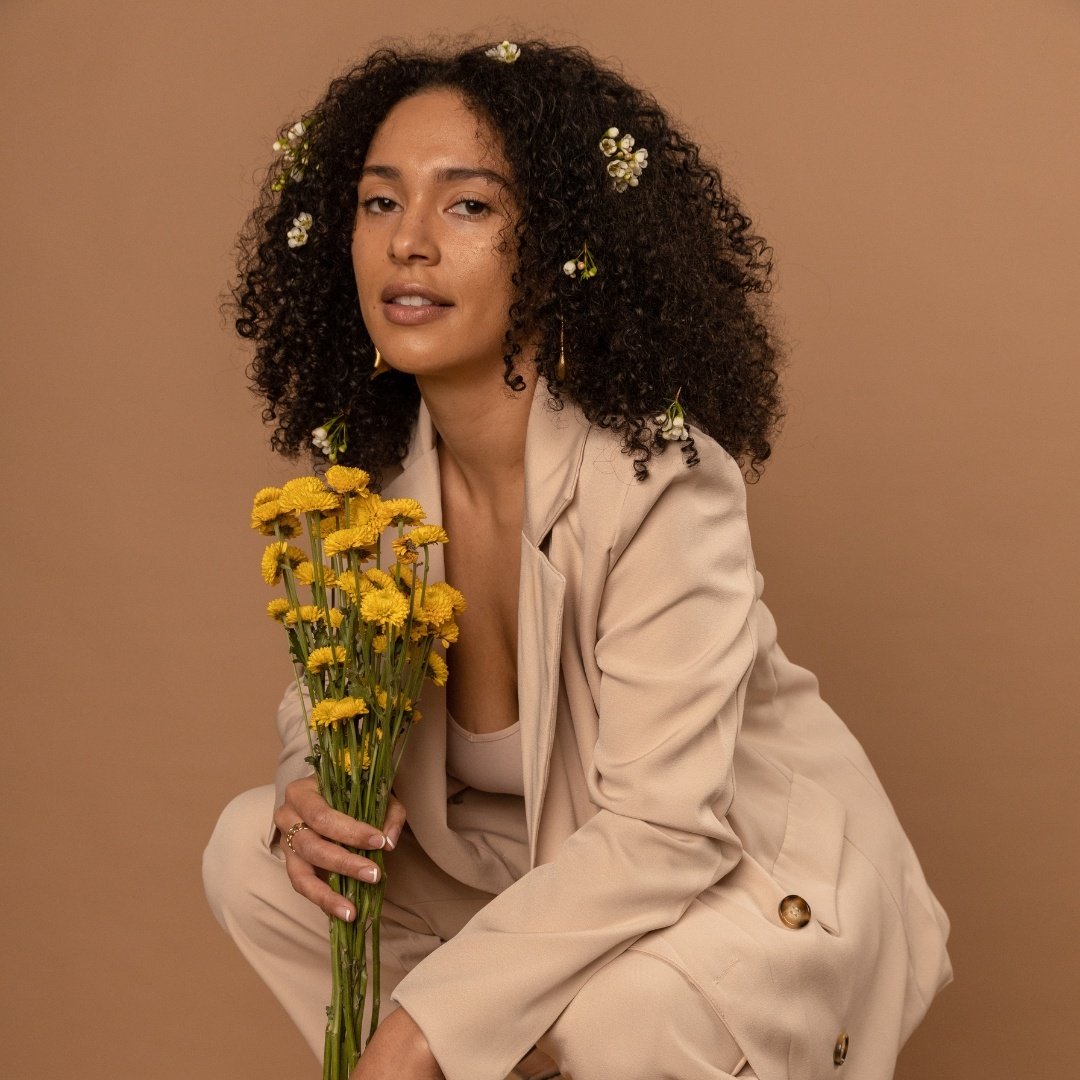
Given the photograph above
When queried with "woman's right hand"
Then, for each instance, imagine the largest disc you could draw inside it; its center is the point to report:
(317, 850)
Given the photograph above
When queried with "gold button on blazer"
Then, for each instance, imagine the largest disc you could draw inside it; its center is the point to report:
(685, 786)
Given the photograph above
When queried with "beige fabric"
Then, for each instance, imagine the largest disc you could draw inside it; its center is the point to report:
(285, 939)
(681, 777)
(489, 761)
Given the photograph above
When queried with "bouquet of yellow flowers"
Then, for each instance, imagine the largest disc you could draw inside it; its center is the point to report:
(362, 639)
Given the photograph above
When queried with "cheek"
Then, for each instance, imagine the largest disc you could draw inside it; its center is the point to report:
(363, 264)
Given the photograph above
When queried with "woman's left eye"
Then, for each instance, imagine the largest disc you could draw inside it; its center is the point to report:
(473, 207)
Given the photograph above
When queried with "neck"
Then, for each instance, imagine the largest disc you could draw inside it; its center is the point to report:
(481, 425)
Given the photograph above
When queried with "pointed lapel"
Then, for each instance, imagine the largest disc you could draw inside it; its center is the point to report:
(554, 444)
(553, 449)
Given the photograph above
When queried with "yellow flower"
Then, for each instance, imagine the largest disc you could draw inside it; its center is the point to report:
(436, 609)
(348, 584)
(404, 511)
(423, 535)
(266, 515)
(380, 698)
(380, 578)
(346, 481)
(404, 549)
(267, 494)
(362, 538)
(369, 511)
(322, 714)
(305, 613)
(417, 716)
(320, 659)
(364, 756)
(337, 617)
(439, 589)
(384, 606)
(347, 707)
(378, 644)
(447, 633)
(278, 608)
(305, 574)
(437, 669)
(275, 556)
(308, 495)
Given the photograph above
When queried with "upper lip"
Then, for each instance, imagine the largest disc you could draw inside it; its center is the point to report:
(411, 288)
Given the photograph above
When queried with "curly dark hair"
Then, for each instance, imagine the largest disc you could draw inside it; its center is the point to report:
(678, 303)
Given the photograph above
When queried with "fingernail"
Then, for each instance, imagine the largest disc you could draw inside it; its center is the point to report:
(378, 842)
(371, 873)
(345, 913)
(391, 842)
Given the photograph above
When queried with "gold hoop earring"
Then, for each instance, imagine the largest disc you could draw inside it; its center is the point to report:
(560, 366)
(381, 366)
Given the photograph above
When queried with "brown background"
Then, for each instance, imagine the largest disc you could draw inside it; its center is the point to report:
(914, 165)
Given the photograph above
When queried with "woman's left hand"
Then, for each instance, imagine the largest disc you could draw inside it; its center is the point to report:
(398, 1051)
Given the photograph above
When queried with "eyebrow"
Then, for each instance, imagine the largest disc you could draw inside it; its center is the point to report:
(445, 175)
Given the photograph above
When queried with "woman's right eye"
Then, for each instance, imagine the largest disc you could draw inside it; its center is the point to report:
(378, 204)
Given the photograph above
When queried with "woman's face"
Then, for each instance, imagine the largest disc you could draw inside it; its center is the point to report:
(434, 197)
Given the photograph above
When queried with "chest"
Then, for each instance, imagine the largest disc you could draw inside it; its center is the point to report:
(483, 560)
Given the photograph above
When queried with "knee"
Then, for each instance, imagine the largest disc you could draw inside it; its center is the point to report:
(638, 1018)
(610, 1028)
(236, 854)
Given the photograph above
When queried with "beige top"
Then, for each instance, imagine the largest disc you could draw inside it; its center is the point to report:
(489, 761)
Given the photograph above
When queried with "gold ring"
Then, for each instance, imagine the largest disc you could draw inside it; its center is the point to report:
(300, 826)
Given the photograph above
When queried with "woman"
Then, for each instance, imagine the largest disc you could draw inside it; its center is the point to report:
(658, 851)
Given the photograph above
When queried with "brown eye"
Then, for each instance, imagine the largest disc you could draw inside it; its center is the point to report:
(473, 207)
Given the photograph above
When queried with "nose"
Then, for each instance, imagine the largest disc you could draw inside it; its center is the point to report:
(412, 238)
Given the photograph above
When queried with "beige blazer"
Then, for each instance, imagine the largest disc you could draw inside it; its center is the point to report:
(682, 777)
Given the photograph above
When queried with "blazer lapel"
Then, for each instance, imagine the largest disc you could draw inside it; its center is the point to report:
(554, 445)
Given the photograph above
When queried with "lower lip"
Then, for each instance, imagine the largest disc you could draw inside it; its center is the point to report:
(410, 315)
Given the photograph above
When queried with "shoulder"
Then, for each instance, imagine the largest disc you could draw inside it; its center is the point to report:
(609, 493)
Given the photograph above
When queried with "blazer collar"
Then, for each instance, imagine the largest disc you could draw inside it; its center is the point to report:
(554, 444)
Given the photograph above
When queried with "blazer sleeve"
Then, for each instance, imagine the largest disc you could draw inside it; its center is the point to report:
(674, 648)
(295, 747)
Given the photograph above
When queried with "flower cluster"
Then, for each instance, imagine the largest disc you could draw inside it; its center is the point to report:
(294, 147)
(628, 164)
(505, 51)
(298, 234)
(330, 438)
(362, 639)
(672, 422)
(581, 265)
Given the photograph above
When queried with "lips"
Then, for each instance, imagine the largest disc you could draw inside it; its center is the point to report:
(412, 293)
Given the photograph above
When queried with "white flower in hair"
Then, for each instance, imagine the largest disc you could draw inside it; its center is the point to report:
(506, 51)
(628, 164)
(581, 266)
(298, 234)
(672, 422)
(294, 148)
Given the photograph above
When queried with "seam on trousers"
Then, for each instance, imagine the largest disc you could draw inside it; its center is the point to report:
(701, 993)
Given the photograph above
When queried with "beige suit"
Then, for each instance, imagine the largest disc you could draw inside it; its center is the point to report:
(682, 777)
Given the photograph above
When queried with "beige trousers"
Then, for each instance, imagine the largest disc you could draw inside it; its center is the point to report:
(637, 1018)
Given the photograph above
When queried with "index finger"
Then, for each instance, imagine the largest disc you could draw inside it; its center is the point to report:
(334, 825)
